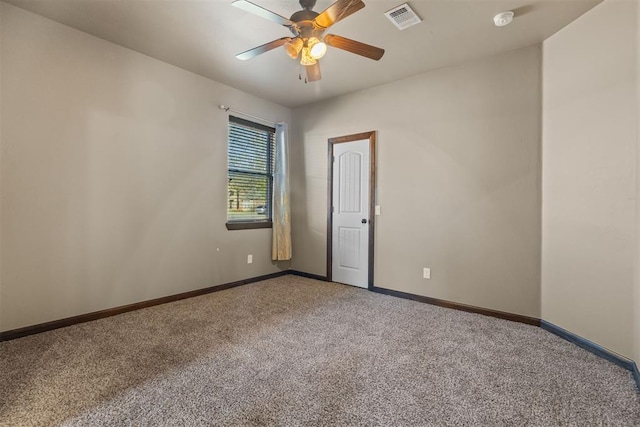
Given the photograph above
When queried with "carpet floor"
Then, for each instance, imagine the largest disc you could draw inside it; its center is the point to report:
(293, 351)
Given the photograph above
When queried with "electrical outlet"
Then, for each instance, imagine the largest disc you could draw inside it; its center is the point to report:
(249, 259)
(426, 273)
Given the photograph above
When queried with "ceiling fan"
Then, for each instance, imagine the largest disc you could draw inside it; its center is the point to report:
(309, 41)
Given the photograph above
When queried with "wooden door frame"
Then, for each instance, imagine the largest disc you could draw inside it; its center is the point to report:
(371, 136)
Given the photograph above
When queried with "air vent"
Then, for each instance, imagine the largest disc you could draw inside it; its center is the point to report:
(403, 16)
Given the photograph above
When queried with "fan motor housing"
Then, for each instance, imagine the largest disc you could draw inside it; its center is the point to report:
(304, 15)
(304, 24)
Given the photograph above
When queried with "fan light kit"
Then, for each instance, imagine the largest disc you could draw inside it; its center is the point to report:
(309, 43)
(503, 18)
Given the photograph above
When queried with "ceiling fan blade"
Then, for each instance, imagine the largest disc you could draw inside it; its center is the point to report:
(252, 53)
(264, 13)
(353, 46)
(313, 72)
(336, 12)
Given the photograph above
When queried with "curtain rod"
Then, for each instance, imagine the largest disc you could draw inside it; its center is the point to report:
(225, 108)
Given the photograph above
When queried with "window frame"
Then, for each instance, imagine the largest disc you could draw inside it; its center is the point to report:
(253, 223)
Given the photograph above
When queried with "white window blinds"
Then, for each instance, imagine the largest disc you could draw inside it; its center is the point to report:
(250, 175)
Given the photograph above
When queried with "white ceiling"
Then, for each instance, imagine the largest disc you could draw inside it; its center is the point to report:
(203, 36)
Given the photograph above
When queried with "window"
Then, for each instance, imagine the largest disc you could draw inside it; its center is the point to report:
(250, 176)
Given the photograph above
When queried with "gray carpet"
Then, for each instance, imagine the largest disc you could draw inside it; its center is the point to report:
(294, 351)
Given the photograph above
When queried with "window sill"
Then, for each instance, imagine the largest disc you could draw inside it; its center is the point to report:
(248, 225)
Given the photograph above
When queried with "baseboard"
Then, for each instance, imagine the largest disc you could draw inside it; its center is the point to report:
(550, 327)
(56, 324)
(594, 348)
(457, 306)
(308, 275)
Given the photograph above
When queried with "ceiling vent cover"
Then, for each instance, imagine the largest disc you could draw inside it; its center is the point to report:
(403, 16)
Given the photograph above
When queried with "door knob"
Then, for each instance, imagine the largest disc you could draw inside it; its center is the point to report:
(364, 220)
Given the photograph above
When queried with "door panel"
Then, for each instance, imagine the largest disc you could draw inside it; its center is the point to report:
(350, 183)
(350, 234)
(349, 250)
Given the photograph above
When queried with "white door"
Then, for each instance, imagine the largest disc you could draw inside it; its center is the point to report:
(350, 234)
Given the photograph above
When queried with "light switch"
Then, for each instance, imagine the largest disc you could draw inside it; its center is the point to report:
(377, 209)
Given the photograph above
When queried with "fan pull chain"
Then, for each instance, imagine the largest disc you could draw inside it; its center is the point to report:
(300, 75)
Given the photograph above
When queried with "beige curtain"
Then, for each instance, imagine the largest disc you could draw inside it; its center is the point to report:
(281, 247)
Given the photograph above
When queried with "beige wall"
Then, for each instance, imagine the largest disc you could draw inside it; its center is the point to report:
(589, 208)
(458, 181)
(1, 150)
(113, 176)
(636, 298)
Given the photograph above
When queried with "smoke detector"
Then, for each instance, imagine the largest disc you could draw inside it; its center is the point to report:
(403, 16)
(503, 18)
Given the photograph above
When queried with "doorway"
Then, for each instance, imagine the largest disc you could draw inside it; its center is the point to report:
(351, 200)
